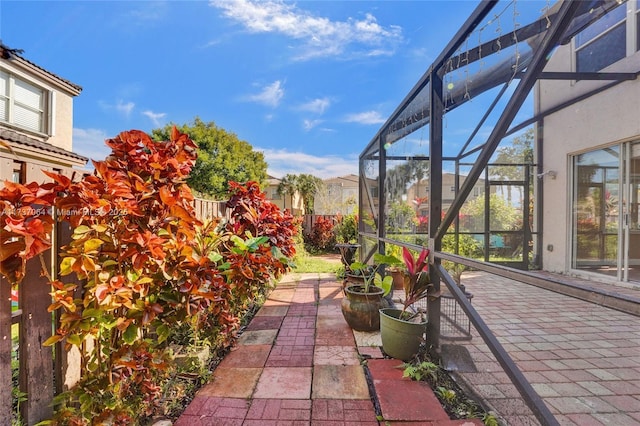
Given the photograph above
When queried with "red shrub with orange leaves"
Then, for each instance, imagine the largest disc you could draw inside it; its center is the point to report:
(146, 263)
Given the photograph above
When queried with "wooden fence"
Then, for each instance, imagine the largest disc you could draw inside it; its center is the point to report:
(47, 371)
(44, 371)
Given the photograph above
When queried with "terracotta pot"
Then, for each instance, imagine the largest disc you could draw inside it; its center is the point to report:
(398, 278)
(360, 309)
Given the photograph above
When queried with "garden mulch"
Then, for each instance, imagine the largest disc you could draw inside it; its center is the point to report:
(298, 363)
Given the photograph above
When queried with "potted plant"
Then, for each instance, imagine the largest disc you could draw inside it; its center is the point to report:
(396, 269)
(363, 300)
(400, 332)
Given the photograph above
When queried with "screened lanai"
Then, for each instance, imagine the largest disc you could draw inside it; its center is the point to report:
(515, 151)
(460, 162)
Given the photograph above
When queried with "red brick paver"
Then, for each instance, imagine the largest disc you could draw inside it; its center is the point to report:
(297, 364)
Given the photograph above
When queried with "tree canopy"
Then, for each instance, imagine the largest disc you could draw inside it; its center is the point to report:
(222, 157)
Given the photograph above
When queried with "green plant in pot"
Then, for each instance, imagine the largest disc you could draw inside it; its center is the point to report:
(402, 331)
(363, 300)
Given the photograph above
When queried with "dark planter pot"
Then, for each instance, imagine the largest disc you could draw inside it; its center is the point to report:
(400, 339)
(360, 309)
(347, 253)
(353, 279)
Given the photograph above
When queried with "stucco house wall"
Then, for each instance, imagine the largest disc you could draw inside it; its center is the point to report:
(33, 151)
(605, 119)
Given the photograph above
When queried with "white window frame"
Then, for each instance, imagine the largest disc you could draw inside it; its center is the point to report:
(45, 110)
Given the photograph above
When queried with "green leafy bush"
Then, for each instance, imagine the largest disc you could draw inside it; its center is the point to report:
(346, 230)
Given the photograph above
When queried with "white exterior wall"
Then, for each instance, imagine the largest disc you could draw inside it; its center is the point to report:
(608, 118)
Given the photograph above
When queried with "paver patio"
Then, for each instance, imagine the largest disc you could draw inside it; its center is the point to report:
(581, 358)
(297, 363)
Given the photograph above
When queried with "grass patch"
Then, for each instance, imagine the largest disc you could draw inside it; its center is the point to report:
(307, 264)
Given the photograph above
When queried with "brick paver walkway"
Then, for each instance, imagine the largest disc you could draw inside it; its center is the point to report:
(298, 364)
(581, 358)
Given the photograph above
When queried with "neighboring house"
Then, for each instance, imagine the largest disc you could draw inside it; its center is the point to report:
(36, 121)
(418, 193)
(592, 152)
(292, 202)
(339, 195)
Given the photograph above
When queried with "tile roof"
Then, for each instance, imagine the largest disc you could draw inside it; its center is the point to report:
(11, 136)
(7, 53)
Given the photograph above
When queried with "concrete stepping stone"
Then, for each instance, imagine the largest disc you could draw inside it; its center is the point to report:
(284, 383)
(258, 337)
(247, 356)
(339, 382)
(232, 382)
(335, 355)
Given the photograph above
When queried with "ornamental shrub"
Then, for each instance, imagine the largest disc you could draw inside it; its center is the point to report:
(346, 230)
(147, 265)
(322, 237)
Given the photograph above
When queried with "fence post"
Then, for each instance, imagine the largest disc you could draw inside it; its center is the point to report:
(36, 361)
(5, 352)
(68, 364)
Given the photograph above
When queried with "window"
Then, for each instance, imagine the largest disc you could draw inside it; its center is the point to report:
(22, 104)
(18, 175)
(603, 42)
(611, 38)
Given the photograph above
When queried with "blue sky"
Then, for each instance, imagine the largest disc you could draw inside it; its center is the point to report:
(308, 83)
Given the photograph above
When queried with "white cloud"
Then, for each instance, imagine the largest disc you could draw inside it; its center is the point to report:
(155, 117)
(310, 124)
(317, 106)
(270, 95)
(320, 37)
(122, 107)
(125, 108)
(281, 162)
(367, 117)
(90, 143)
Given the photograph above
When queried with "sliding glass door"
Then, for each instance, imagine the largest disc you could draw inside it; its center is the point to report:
(606, 218)
(631, 225)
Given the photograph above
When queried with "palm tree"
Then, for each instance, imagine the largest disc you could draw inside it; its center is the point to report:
(308, 185)
(288, 186)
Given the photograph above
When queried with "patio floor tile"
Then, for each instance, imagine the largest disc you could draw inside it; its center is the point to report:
(343, 410)
(335, 355)
(290, 356)
(339, 382)
(265, 322)
(280, 409)
(272, 311)
(284, 383)
(333, 331)
(247, 356)
(402, 400)
(258, 337)
(232, 382)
